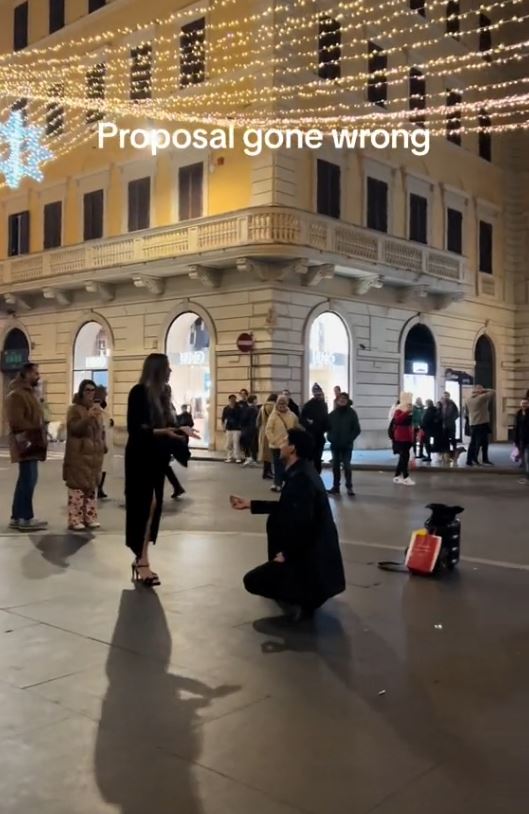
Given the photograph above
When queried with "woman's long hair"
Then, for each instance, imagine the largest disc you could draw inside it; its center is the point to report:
(154, 379)
(79, 396)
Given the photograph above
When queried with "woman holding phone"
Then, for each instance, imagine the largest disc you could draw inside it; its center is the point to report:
(152, 440)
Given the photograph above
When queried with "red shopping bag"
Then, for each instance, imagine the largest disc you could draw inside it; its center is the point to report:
(423, 551)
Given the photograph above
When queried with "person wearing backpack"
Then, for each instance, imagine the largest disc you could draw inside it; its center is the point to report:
(344, 429)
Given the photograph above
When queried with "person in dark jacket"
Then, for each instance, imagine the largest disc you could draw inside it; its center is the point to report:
(249, 438)
(291, 403)
(304, 567)
(521, 434)
(430, 428)
(344, 429)
(185, 419)
(231, 423)
(315, 419)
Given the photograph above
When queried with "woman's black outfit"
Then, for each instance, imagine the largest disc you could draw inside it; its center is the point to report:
(146, 461)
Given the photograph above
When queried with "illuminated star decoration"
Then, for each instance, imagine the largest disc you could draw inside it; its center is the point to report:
(25, 151)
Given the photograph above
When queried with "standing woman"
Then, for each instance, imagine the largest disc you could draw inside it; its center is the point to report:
(403, 438)
(83, 457)
(280, 422)
(152, 440)
(265, 453)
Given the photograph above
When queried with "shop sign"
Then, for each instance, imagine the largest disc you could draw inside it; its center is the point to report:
(13, 360)
(322, 359)
(420, 368)
(192, 357)
(96, 363)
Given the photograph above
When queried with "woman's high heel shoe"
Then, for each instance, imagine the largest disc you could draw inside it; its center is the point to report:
(149, 582)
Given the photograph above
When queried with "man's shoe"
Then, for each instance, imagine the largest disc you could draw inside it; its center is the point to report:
(32, 525)
(408, 482)
(488, 463)
(398, 479)
(334, 491)
(102, 495)
(13, 524)
(350, 492)
(275, 488)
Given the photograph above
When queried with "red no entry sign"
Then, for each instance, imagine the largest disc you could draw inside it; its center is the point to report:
(245, 343)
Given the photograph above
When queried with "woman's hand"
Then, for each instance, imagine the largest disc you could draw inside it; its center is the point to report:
(239, 503)
(190, 432)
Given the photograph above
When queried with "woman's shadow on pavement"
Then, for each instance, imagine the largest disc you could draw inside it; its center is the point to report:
(149, 735)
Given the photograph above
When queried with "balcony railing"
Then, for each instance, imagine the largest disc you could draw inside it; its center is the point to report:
(252, 229)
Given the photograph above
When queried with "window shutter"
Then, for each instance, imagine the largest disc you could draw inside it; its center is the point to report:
(454, 228)
(485, 247)
(377, 205)
(418, 218)
(52, 225)
(328, 189)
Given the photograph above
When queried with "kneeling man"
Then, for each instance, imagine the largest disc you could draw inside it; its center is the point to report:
(304, 565)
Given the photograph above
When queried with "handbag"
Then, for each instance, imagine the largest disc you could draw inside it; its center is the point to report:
(31, 444)
(423, 552)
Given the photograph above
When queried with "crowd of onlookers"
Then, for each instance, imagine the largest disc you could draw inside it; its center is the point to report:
(255, 433)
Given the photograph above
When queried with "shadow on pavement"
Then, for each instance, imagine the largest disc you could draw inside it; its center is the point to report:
(149, 734)
(57, 549)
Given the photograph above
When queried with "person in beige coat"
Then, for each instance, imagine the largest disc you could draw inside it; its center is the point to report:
(83, 457)
(280, 422)
(265, 453)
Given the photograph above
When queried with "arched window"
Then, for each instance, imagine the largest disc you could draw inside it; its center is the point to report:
(485, 373)
(15, 352)
(484, 358)
(187, 346)
(420, 363)
(329, 355)
(91, 355)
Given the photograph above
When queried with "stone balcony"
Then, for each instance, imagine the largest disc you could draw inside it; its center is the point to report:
(265, 236)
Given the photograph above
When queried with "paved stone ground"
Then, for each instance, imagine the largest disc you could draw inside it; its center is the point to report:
(405, 695)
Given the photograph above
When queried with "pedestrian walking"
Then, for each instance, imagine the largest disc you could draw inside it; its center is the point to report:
(479, 407)
(521, 435)
(28, 445)
(429, 428)
(418, 412)
(178, 489)
(344, 429)
(231, 423)
(152, 439)
(337, 392)
(315, 418)
(448, 415)
(265, 453)
(403, 439)
(304, 567)
(249, 441)
(83, 457)
(184, 418)
(280, 422)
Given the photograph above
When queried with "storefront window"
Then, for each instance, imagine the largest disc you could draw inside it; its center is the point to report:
(420, 364)
(329, 352)
(91, 355)
(188, 348)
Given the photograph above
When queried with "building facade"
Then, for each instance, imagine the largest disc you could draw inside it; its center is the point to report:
(375, 270)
